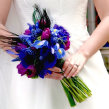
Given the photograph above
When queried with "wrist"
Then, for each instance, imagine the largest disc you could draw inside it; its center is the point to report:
(85, 53)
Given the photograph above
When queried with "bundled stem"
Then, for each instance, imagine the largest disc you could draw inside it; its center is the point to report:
(75, 89)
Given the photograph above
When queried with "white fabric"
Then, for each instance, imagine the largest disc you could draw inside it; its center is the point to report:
(18, 92)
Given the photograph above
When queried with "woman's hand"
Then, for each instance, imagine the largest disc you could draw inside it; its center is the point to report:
(74, 64)
(55, 74)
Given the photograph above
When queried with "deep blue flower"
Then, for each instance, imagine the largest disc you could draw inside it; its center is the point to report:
(44, 72)
(44, 51)
(37, 24)
(26, 58)
(53, 40)
(50, 60)
(26, 39)
(56, 46)
(61, 29)
(31, 26)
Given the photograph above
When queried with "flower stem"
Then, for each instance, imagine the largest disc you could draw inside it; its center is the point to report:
(69, 96)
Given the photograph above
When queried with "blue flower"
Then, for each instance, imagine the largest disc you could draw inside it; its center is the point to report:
(53, 40)
(31, 26)
(44, 51)
(50, 60)
(37, 24)
(27, 57)
(44, 72)
(26, 39)
(39, 44)
(60, 53)
(56, 46)
(54, 31)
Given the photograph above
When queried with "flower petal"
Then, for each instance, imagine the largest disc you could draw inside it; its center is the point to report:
(39, 44)
(60, 53)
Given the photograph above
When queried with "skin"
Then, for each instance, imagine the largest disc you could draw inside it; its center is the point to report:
(99, 37)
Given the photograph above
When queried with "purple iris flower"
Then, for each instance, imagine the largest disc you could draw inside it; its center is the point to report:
(21, 69)
(19, 47)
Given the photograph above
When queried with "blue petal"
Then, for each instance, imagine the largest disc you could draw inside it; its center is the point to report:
(50, 72)
(45, 51)
(16, 59)
(52, 50)
(50, 61)
(11, 52)
(25, 39)
(56, 46)
(39, 44)
(43, 73)
(60, 53)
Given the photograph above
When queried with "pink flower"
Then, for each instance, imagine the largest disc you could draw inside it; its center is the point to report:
(67, 45)
(45, 34)
(30, 70)
(21, 69)
(27, 32)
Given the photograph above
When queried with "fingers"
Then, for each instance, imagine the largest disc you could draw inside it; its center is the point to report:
(68, 69)
(55, 76)
(55, 69)
(72, 72)
(77, 71)
(66, 63)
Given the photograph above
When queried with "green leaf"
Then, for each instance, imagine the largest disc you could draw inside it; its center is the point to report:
(69, 96)
(35, 77)
(34, 16)
(74, 91)
(81, 85)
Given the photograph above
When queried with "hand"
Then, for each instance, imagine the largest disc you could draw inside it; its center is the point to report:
(55, 74)
(74, 64)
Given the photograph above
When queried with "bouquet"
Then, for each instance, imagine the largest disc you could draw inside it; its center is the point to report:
(41, 47)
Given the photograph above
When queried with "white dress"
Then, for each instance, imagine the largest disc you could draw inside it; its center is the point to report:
(18, 92)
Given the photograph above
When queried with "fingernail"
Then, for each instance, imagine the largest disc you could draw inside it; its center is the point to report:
(68, 76)
(73, 75)
(59, 70)
(63, 69)
(61, 78)
(65, 75)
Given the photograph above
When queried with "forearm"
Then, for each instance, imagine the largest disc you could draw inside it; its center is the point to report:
(4, 32)
(97, 39)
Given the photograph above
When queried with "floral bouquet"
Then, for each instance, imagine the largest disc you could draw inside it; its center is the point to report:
(41, 47)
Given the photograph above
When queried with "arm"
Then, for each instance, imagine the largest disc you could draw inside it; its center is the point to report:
(4, 10)
(101, 34)
(98, 38)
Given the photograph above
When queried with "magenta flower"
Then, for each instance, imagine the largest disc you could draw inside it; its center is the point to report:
(19, 47)
(21, 69)
(30, 70)
(27, 32)
(67, 45)
(45, 34)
